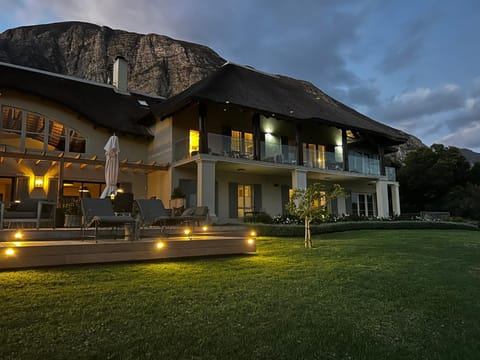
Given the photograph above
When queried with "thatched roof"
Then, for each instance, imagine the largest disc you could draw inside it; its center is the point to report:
(97, 102)
(273, 94)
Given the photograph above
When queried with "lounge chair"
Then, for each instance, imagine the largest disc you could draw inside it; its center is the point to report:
(151, 212)
(195, 215)
(99, 213)
(123, 203)
(36, 211)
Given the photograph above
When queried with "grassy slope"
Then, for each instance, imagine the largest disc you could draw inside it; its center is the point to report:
(358, 295)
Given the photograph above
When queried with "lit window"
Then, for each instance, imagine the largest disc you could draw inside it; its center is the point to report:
(27, 130)
(194, 142)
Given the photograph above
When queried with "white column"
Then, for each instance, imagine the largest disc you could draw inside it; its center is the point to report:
(395, 199)
(341, 206)
(206, 184)
(382, 199)
(299, 179)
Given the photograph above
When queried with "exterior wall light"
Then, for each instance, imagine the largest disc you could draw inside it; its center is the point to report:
(160, 245)
(250, 241)
(18, 235)
(38, 183)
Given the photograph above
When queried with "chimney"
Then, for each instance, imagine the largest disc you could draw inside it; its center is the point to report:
(120, 75)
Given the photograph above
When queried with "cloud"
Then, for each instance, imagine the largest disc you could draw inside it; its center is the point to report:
(407, 47)
(476, 87)
(422, 102)
(466, 137)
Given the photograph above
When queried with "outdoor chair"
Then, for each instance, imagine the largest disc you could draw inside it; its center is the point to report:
(195, 215)
(36, 211)
(151, 212)
(123, 203)
(99, 213)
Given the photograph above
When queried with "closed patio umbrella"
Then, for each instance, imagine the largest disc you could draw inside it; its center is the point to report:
(112, 149)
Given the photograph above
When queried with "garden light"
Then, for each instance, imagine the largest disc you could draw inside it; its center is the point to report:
(9, 252)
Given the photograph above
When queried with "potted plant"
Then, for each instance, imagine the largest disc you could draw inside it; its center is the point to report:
(73, 213)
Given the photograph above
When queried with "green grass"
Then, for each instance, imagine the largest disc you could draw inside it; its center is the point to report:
(357, 295)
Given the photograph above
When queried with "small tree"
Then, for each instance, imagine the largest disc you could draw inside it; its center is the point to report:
(311, 204)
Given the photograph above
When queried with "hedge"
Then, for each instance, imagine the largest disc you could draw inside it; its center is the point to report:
(299, 230)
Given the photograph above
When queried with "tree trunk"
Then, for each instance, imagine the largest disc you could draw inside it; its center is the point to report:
(308, 240)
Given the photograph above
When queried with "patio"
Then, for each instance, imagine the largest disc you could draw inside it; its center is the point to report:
(48, 247)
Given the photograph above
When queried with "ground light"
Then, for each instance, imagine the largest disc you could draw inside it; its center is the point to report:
(9, 252)
(188, 233)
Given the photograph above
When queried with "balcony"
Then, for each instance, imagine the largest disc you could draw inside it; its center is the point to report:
(363, 164)
(275, 152)
(391, 173)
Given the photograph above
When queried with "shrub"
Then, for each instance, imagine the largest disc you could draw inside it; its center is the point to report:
(293, 230)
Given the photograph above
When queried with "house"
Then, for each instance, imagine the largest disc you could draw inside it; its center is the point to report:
(237, 141)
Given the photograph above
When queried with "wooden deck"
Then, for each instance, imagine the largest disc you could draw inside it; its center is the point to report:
(28, 254)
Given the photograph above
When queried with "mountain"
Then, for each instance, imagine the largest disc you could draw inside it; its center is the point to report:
(471, 156)
(157, 64)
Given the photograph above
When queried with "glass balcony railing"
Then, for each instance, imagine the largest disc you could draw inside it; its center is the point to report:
(322, 160)
(278, 153)
(363, 164)
(237, 148)
(391, 173)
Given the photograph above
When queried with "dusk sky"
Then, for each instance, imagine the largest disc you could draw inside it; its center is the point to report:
(412, 64)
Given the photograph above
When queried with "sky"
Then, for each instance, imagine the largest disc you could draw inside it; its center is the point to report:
(411, 64)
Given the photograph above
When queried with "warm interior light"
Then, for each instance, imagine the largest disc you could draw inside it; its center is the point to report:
(18, 235)
(250, 241)
(9, 252)
(119, 190)
(38, 181)
(160, 245)
(205, 228)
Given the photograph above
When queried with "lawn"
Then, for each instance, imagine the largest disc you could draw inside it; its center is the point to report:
(393, 294)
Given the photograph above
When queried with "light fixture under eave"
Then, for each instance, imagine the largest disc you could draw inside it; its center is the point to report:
(38, 181)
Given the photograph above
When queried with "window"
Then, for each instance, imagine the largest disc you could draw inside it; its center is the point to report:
(363, 205)
(242, 143)
(6, 189)
(74, 189)
(314, 155)
(245, 199)
(23, 129)
(11, 131)
(194, 142)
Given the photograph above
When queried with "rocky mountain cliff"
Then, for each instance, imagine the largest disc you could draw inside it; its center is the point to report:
(157, 64)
